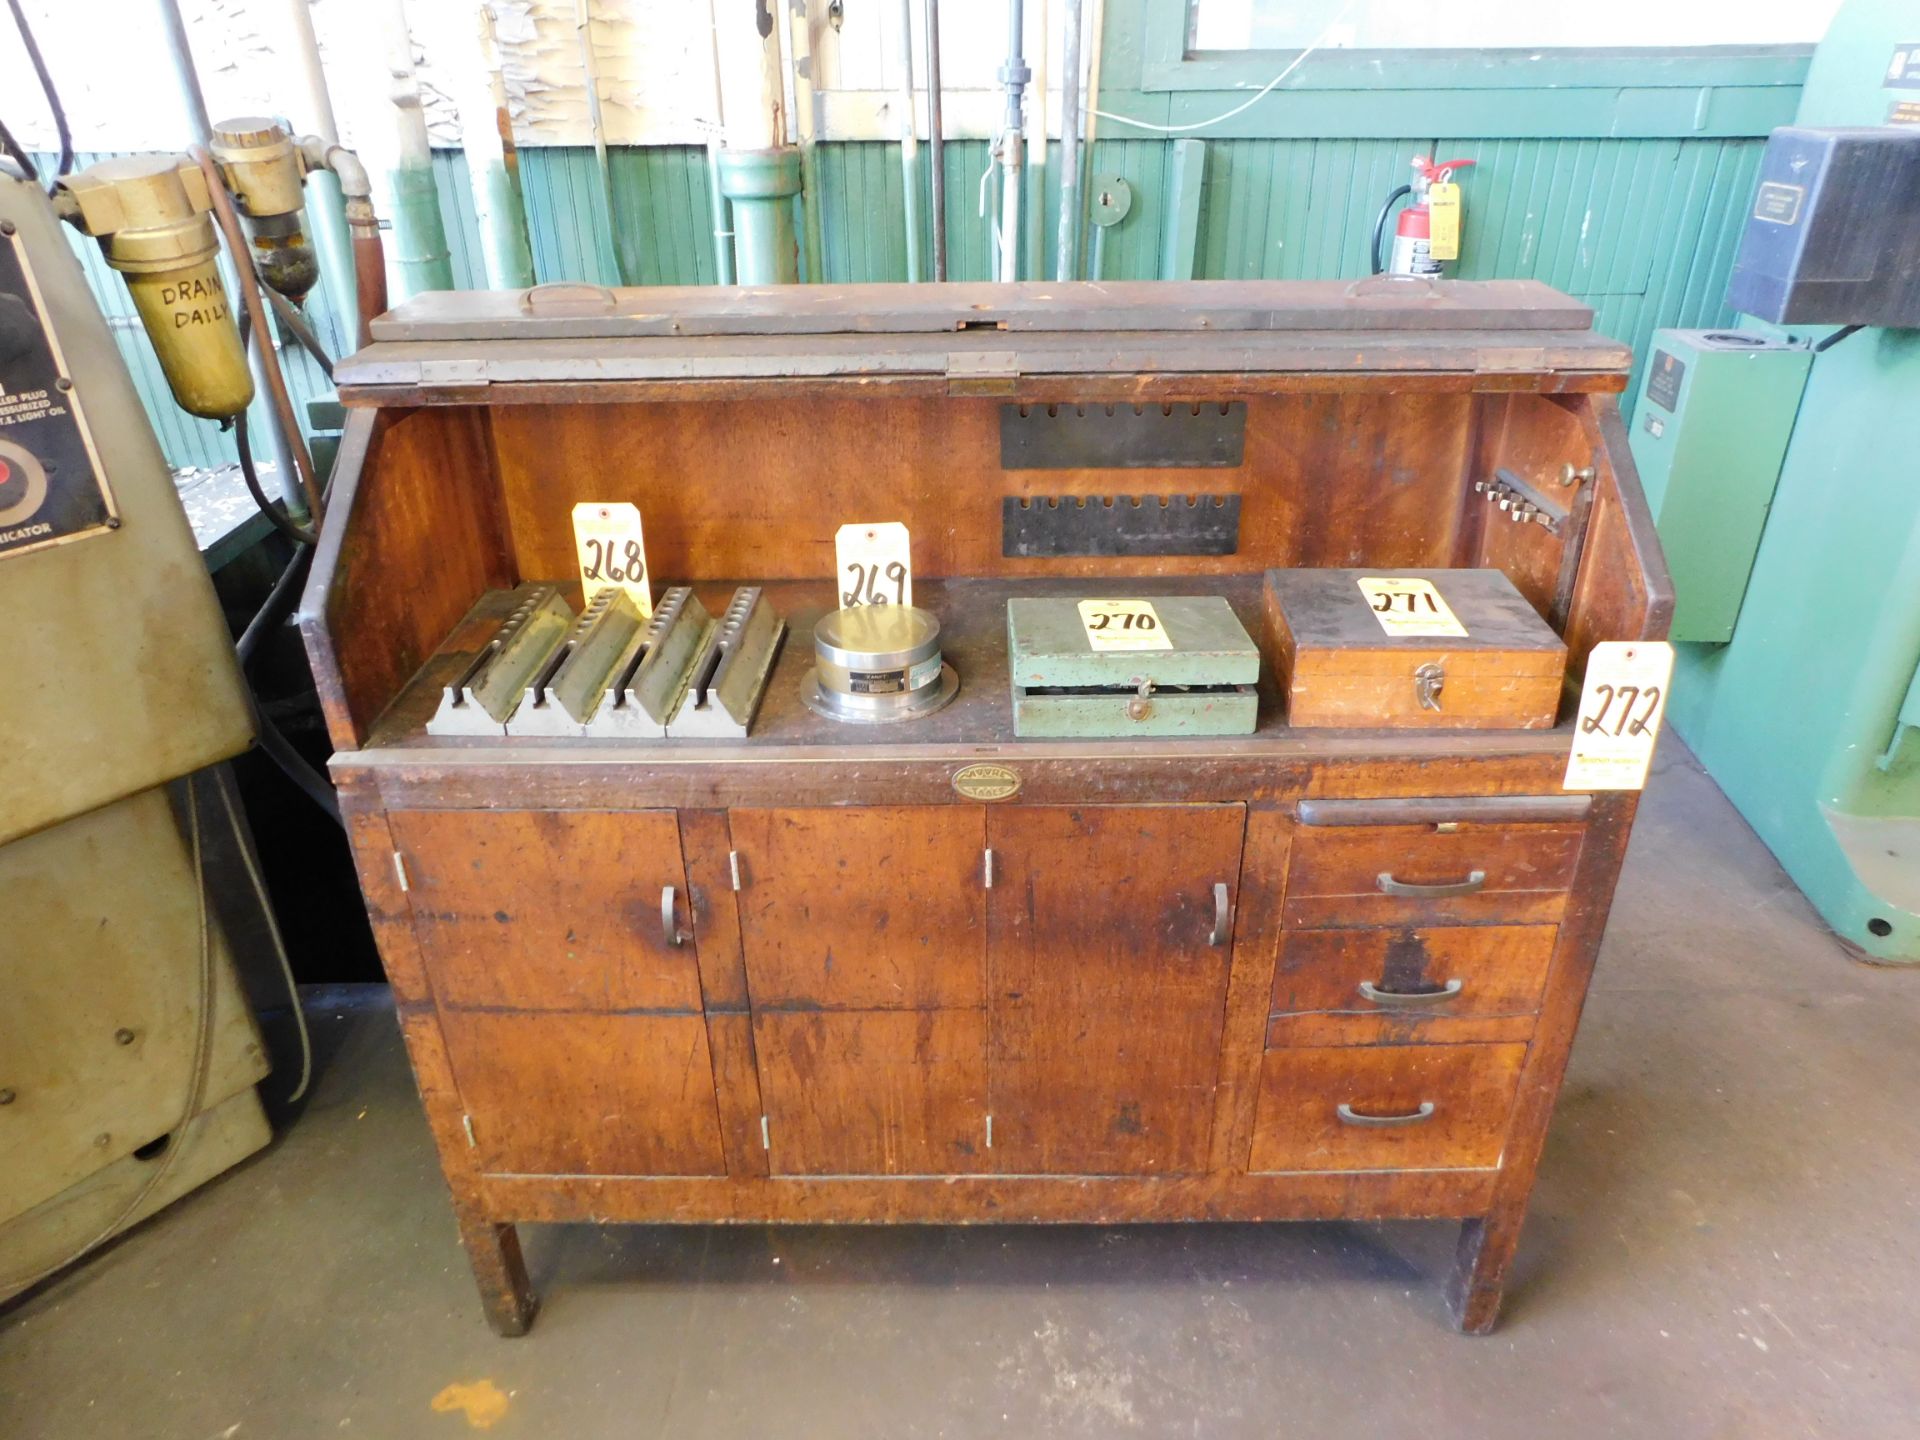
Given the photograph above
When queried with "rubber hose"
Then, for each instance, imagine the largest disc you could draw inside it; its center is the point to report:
(1380, 225)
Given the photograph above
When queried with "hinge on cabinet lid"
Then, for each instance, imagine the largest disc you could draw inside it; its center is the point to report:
(466, 1124)
(987, 870)
(733, 866)
(766, 1140)
(982, 372)
(400, 871)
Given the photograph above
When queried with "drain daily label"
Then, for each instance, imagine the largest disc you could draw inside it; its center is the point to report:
(1407, 605)
(1123, 625)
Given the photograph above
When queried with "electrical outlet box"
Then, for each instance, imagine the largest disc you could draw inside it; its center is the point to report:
(1709, 437)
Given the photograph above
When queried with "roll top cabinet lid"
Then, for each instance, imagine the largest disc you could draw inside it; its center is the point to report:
(1440, 649)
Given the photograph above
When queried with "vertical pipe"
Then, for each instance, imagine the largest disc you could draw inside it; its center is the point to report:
(1066, 259)
(606, 242)
(1090, 106)
(326, 207)
(465, 40)
(419, 237)
(936, 142)
(759, 171)
(1036, 237)
(717, 207)
(909, 140)
(1014, 74)
(261, 419)
(806, 115)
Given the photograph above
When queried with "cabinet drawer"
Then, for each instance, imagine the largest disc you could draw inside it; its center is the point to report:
(1385, 1107)
(1435, 984)
(1401, 874)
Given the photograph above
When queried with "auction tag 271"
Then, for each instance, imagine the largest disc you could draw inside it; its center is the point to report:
(1621, 706)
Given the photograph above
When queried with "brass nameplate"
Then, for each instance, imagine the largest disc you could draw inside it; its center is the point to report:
(986, 782)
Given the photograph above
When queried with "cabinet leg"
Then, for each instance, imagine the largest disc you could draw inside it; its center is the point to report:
(505, 1292)
(1479, 1279)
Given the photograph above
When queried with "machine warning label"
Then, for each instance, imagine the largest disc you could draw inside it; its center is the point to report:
(1664, 375)
(1779, 204)
(1904, 112)
(1903, 70)
(50, 487)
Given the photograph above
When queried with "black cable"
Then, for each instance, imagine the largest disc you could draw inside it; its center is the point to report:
(275, 607)
(1380, 225)
(294, 766)
(278, 517)
(1836, 337)
(291, 317)
(17, 153)
(46, 88)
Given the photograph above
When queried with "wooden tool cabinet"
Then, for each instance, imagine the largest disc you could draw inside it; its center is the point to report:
(804, 977)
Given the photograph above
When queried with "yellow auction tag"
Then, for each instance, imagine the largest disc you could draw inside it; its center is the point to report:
(612, 551)
(1407, 605)
(1123, 625)
(1622, 702)
(1443, 211)
(874, 564)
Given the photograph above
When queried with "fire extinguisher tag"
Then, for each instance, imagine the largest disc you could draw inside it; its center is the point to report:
(1443, 203)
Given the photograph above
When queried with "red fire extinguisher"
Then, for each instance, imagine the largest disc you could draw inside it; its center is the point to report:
(1417, 248)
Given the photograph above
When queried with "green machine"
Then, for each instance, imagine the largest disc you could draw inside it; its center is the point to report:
(1780, 468)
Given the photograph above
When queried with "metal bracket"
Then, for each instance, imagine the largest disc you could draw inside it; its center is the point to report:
(1052, 525)
(982, 372)
(484, 695)
(1521, 502)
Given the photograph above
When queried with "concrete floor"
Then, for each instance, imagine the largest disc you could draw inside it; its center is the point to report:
(1723, 1244)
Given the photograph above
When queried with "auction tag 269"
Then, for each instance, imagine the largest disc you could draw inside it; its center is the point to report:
(613, 552)
(1621, 706)
(874, 564)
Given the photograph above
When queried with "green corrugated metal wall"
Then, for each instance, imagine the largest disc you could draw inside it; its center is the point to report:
(1643, 229)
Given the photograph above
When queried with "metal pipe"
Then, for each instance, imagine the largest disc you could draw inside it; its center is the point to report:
(1036, 237)
(936, 141)
(1096, 39)
(493, 166)
(1066, 257)
(717, 209)
(605, 243)
(806, 115)
(180, 51)
(909, 139)
(326, 206)
(1014, 75)
(760, 172)
(419, 234)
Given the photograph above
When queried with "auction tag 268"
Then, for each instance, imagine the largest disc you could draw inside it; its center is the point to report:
(1621, 706)
(874, 564)
(1123, 625)
(613, 552)
(1408, 605)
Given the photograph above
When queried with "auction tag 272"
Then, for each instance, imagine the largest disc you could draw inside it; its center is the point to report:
(874, 564)
(1621, 705)
(613, 552)
(1123, 625)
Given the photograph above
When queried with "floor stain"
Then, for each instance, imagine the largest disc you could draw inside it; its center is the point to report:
(483, 1403)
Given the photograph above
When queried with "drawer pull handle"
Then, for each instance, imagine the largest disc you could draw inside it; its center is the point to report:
(1475, 881)
(1349, 1116)
(1220, 909)
(1402, 999)
(669, 922)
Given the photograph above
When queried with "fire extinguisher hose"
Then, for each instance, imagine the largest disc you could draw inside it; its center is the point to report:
(1380, 225)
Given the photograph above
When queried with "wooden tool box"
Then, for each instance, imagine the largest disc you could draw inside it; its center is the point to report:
(930, 971)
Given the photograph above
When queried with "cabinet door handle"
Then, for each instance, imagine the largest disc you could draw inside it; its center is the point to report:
(669, 923)
(1220, 909)
(1348, 1116)
(1403, 999)
(1476, 880)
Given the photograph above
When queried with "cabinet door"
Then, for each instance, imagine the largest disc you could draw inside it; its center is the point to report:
(573, 1027)
(1108, 961)
(864, 933)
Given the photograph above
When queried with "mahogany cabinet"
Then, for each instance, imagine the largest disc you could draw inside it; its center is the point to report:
(810, 975)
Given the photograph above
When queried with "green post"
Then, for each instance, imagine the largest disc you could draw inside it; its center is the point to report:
(419, 238)
(761, 185)
(504, 223)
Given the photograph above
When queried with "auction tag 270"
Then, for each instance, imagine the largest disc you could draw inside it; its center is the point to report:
(613, 552)
(874, 564)
(1621, 706)
(1123, 625)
